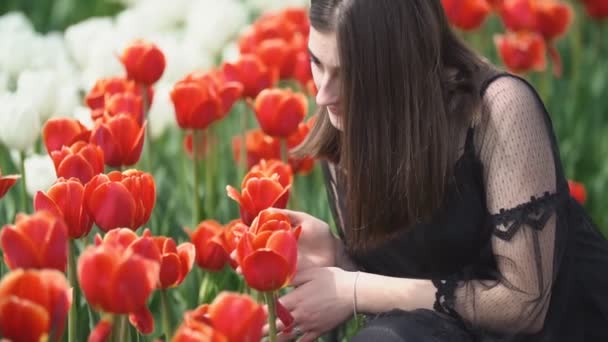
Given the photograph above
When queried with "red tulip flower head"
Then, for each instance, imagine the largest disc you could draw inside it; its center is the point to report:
(209, 240)
(268, 252)
(597, 9)
(577, 191)
(258, 146)
(81, 160)
(522, 52)
(38, 241)
(252, 73)
(119, 273)
(144, 62)
(59, 132)
(176, 261)
(34, 305)
(259, 192)
(66, 200)
(270, 167)
(120, 137)
(120, 200)
(96, 97)
(467, 14)
(280, 111)
(553, 18)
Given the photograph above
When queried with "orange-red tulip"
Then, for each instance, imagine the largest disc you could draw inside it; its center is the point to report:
(120, 200)
(258, 146)
(280, 111)
(597, 9)
(122, 103)
(522, 52)
(101, 332)
(66, 199)
(268, 252)
(144, 62)
(176, 261)
(95, 99)
(81, 160)
(7, 182)
(119, 273)
(209, 240)
(39, 240)
(201, 99)
(270, 167)
(59, 132)
(252, 73)
(466, 14)
(259, 192)
(304, 165)
(518, 15)
(233, 231)
(34, 305)
(577, 191)
(553, 18)
(120, 137)
(302, 71)
(231, 317)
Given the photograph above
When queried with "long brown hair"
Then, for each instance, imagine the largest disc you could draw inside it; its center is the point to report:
(409, 86)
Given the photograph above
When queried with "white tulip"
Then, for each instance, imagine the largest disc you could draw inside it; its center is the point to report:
(152, 16)
(231, 52)
(162, 113)
(15, 22)
(19, 122)
(83, 114)
(15, 51)
(4, 79)
(67, 100)
(40, 89)
(211, 23)
(81, 37)
(273, 5)
(40, 173)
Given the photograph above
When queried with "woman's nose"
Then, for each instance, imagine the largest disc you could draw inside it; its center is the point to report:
(327, 94)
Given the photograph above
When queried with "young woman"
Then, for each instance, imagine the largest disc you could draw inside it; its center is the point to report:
(445, 181)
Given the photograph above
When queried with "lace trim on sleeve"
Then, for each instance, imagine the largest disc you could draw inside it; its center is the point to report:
(535, 214)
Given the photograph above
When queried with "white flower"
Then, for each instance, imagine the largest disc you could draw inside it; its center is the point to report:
(81, 37)
(15, 51)
(39, 88)
(40, 173)
(83, 114)
(67, 100)
(19, 122)
(15, 22)
(152, 16)
(162, 113)
(212, 23)
(231, 52)
(3, 82)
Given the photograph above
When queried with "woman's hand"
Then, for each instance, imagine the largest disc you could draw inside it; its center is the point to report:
(321, 300)
(316, 245)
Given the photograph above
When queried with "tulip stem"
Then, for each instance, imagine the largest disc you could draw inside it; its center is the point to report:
(284, 153)
(148, 140)
(209, 198)
(243, 163)
(272, 316)
(195, 170)
(24, 197)
(73, 315)
(166, 313)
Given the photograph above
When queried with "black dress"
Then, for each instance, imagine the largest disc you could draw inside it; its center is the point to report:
(513, 256)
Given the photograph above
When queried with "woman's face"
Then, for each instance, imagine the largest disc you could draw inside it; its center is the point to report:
(326, 73)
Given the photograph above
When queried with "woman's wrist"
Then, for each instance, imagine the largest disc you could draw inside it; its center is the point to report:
(342, 259)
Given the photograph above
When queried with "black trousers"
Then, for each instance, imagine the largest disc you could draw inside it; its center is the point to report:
(409, 326)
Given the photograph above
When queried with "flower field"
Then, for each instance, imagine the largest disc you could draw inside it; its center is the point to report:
(143, 143)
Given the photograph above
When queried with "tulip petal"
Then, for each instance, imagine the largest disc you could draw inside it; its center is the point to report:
(112, 206)
(6, 182)
(285, 244)
(101, 332)
(96, 267)
(43, 202)
(133, 283)
(19, 252)
(238, 317)
(169, 270)
(187, 254)
(23, 320)
(142, 320)
(104, 137)
(265, 270)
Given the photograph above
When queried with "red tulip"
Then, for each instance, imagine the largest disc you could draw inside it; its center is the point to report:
(120, 200)
(466, 14)
(252, 73)
(119, 273)
(597, 9)
(39, 240)
(201, 99)
(302, 71)
(95, 99)
(304, 165)
(123, 103)
(518, 15)
(233, 231)
(7, 182)
(34, 305)
(202, 146)
(66, 200)
(231, 317)
(102, 331)
(176, 261)
(59, 132)
(81, 160)
(577, 191)
(273, 166)
(209, 240)
(553, 18)
(280, 111)
(268, 253)
(259, 146)
(144, 62)
(522, 51)
(120, 137)
(259, 192)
